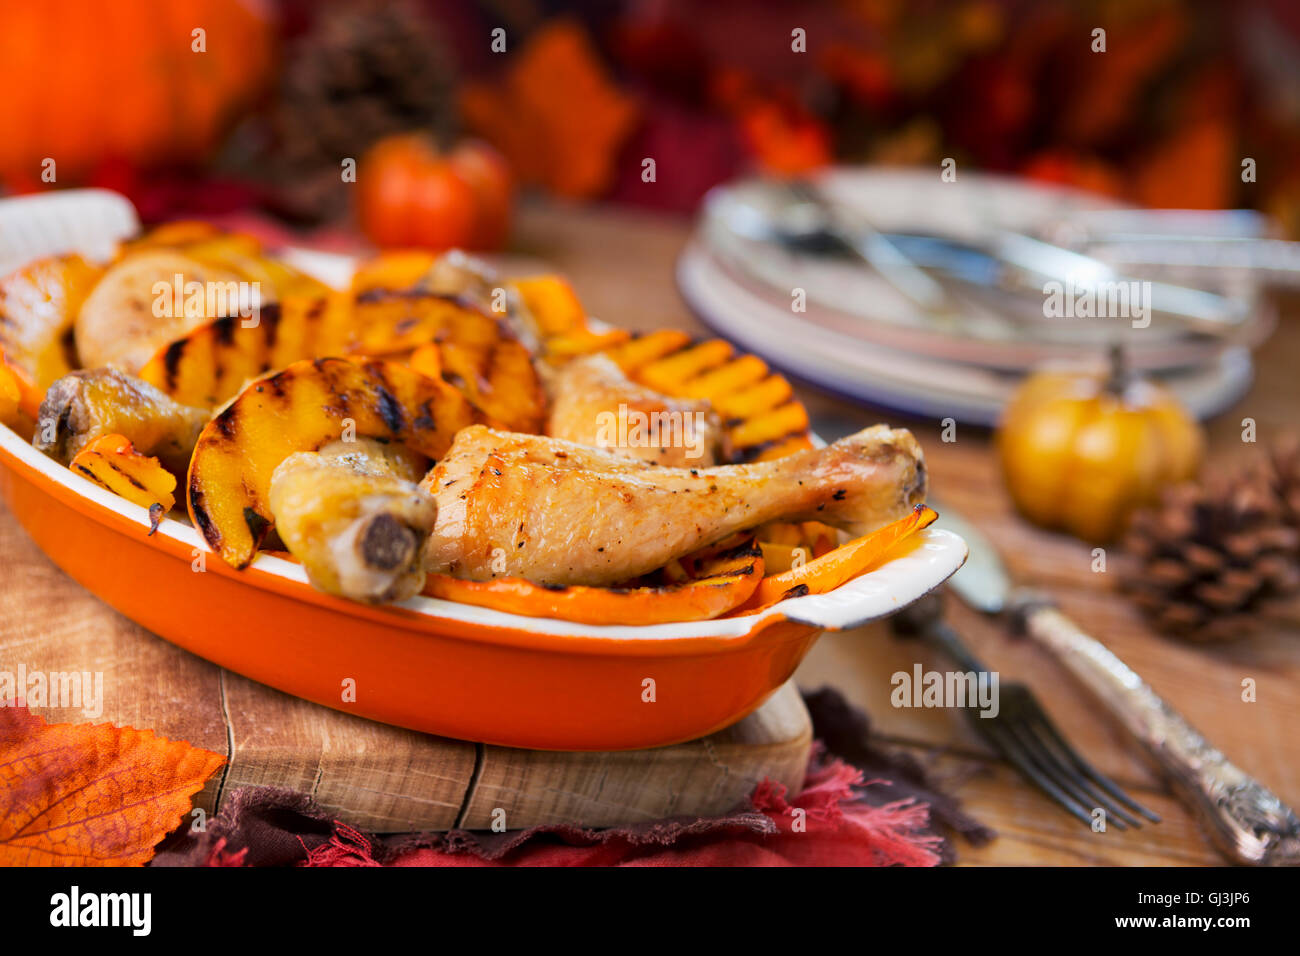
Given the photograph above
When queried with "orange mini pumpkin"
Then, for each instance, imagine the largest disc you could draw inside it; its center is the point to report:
(410, 194)
(1080, 451)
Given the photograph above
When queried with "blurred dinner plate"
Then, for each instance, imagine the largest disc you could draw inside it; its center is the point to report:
(861, 337)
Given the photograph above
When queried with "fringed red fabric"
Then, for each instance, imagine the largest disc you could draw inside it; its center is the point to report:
(826, 824)
(347, 846)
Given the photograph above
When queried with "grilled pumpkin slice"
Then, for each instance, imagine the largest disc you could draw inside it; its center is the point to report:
(235, 252)
(838, 566)
(112, 463)
(38, 306)
(212, 362)
(480, 352)
(405, 269)
(299, 409)
(713, 585)
(560, 319)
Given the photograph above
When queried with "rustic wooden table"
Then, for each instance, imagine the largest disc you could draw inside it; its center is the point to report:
(622, 265)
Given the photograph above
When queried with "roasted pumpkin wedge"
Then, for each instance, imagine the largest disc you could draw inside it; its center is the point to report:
(111, 462)
(175, 234)
(38, 306)
(213, 361)
(838, 566)
(427, 360)
(719, 583)
(301, 408)
(480, 352)
(92, 403)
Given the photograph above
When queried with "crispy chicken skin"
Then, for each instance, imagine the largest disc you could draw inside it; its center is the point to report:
(91, 403)
(594, 403)
(352, 513)
(560, 513)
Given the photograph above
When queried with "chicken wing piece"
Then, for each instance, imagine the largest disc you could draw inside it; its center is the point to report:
(353, 514)
(91, 403)
(594, 403)
(560, 513)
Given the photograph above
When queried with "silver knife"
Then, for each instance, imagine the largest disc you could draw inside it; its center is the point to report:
(1248, 821)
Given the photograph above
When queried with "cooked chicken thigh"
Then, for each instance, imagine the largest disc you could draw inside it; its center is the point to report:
(594, 403)
(559, 513)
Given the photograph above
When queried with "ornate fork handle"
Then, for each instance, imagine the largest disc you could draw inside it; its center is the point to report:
(1248, 821)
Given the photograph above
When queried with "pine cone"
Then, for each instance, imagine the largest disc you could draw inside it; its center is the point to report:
(1286, 468)
(1214, 560)
(363, 71)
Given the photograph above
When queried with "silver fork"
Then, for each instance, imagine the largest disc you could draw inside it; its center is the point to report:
(1022, 732)
(825, 222)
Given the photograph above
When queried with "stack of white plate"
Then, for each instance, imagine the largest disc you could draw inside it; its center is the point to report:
(858, 336)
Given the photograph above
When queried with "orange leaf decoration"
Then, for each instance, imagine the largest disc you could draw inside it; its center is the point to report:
(556, 115)
(91, 794)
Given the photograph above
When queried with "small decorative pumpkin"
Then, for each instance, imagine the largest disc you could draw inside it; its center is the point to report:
(1080, 451)
(409, 193)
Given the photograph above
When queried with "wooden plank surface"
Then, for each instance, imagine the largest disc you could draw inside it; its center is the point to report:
(622, 264)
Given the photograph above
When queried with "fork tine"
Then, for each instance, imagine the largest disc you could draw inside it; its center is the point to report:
(1010, 748)
(1067, 778)
(1096, 776)
(1036, 722)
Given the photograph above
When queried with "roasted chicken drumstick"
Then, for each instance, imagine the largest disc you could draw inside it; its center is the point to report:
(352, 513)
(559, 513)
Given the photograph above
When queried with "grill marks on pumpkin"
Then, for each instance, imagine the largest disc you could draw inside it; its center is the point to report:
(309, 403)
(390, 409)
(479, 350)
(211, 363)
(762, 417)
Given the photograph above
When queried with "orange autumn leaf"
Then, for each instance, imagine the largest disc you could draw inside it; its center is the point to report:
(91, 794)
(556, 114)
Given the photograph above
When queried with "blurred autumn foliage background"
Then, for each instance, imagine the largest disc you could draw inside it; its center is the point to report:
(284, 92)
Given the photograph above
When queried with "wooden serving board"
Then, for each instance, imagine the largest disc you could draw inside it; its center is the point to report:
(376, 777)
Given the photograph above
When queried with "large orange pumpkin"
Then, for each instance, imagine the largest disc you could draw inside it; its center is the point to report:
(85, 81)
